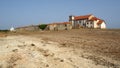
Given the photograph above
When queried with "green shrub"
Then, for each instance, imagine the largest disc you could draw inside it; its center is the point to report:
(4, 30)
(42, 26)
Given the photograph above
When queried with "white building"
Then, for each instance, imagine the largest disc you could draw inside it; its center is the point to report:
(12, 29)
(87, 21)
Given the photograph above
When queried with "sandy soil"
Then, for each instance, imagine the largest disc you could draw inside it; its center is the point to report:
(78, 48)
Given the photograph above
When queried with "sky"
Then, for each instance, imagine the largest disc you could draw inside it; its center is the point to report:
(17, 13)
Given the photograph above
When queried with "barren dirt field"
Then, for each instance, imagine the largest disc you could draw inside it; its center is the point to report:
(76, 48)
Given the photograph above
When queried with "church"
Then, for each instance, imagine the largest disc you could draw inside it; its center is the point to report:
(87, 21)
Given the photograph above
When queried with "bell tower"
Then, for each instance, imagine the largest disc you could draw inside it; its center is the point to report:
(71, 20)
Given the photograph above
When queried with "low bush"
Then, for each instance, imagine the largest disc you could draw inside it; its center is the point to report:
(4, 30)
(42, 26)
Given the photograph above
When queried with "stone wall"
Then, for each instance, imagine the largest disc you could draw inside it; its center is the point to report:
(59, 27)
(28, 28)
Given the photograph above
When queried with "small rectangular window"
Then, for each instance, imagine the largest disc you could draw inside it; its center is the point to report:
(90, 22)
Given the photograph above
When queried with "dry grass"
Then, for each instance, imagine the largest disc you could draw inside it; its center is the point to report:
(96, 44)
(103, 42)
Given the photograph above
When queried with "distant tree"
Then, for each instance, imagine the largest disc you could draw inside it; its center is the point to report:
(42, 26)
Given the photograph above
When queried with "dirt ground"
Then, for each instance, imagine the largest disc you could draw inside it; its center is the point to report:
(77, 48)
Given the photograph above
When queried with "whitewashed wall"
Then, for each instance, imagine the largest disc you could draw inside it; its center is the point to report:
(103, 25)
(95, 24)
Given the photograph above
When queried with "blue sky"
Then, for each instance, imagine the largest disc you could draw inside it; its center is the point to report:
(18, 13)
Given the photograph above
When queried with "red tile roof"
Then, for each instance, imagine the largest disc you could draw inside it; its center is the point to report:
(59, 23)
(95, 18)
(82, 17)
(66, 23)
(100, 22)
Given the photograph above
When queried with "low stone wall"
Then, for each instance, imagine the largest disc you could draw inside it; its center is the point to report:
(28, 28)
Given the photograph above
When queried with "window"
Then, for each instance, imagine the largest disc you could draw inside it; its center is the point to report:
(80, 21)
(91, 22)
(65, 25)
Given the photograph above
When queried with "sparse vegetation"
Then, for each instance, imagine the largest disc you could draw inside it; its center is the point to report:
(42, 26)
(4, 30)
(72, 48)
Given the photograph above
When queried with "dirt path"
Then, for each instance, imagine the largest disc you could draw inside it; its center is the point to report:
(31, 52)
